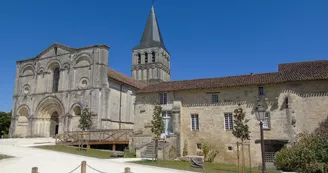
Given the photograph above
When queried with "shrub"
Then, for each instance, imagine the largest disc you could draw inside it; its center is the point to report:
(309, 154)
(185, 149)
(129, 154)
(209, 151)
(172, 153)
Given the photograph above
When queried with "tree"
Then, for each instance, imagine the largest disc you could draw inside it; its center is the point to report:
(157, 126)
(5, 123)
(241, 130)
(85, 120)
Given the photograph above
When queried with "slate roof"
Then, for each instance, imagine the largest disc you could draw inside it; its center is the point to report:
(299, 71)
(151, 36)
(124, 79)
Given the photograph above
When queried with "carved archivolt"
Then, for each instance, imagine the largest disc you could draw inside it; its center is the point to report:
(52, 64)
(28, 70)
(83, 59)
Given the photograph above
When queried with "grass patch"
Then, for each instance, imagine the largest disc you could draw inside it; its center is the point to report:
(4, 157)
(85, 152)
(209, 167)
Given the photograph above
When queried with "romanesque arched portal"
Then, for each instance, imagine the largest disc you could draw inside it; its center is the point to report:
(48, 120)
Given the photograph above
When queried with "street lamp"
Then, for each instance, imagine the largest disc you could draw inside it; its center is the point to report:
(260, 116)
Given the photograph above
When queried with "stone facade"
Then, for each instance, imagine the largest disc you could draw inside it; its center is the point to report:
(307, 102)
(52, 89)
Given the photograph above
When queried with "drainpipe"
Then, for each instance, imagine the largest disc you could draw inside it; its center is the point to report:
(120, 109)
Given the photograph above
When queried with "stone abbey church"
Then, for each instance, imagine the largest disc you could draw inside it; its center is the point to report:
(53, 88)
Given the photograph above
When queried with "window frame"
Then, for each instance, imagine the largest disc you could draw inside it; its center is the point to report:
(195, 125)
(153, 57)
(146, 58)
(213, 98)
(224, 122)
(261, 90)
(55, 80)
(139, 58)
(162, 99)
(268, 119)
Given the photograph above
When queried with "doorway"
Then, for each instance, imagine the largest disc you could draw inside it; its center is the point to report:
(54, 124)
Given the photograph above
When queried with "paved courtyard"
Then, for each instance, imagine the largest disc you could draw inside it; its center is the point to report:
(26, 157)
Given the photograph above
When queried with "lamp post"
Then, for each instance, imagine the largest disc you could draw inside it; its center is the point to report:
(260, 116)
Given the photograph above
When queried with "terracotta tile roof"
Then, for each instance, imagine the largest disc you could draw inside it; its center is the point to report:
(302, 71)
(125, 79)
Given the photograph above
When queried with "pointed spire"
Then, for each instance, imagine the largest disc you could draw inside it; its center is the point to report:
(151, 36)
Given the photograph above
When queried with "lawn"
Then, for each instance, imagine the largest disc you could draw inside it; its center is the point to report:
(85, 152)
(3, 157)
(209, 167)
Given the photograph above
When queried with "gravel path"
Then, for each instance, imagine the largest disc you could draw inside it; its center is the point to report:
(47, 161)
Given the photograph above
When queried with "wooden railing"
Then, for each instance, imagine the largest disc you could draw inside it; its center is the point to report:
(114, 136)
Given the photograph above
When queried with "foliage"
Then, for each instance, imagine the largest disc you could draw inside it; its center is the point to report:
(157, 127)
(172, 152)
(212, 155)
(206, 149)
(209, 151)
(157, 122)
(185, 149)
(309, 154)
(129, 154)
(5, 123)
(240, 129)
(85, 120)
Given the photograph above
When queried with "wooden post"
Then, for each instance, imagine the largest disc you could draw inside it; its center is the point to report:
(250, 159)
(127, 170)
(238, 156)
(114, 147)
(83, 167)
(35, 170)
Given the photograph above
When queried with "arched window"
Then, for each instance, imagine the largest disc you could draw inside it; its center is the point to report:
(55, 81)
(139, 58)
(146, 58)
(153, 57)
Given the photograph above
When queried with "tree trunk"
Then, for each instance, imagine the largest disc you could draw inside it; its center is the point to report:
(156, 149)
(243, 156)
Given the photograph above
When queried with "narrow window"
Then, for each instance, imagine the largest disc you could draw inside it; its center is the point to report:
(55, 80)
(194, 122)
(55, 48)
(146, 57)
(215, 98)
(266, 122)
(228, 123)
(163, 98)
(261, 91)
(139, 58)
(153, 57)
(286, 102)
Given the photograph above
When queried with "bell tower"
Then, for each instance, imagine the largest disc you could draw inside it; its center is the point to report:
(150, 58)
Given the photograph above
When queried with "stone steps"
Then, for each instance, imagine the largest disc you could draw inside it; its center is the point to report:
(150, 148)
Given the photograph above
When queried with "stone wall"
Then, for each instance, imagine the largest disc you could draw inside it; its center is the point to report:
(306, 108)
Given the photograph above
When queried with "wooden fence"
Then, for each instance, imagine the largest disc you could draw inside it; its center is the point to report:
(112, 136)
(83, 168)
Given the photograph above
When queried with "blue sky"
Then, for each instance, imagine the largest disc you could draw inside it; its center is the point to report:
(208, 38)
